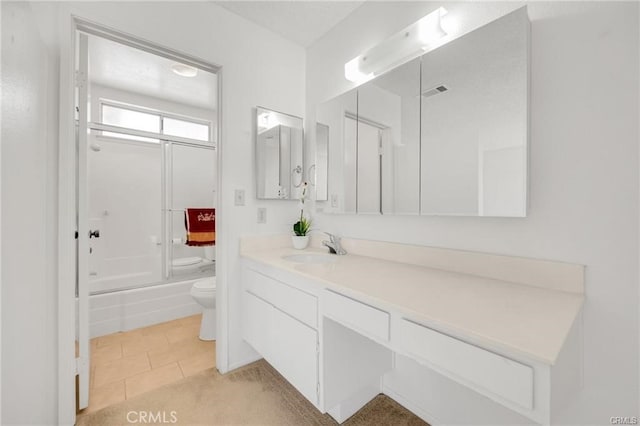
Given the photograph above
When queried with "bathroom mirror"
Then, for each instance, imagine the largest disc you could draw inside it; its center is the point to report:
(338, 116)
(444, 134)
(318, 171)
(475, 122)
(388, 145)
(279, 155)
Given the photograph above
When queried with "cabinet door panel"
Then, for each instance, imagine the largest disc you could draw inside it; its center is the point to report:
(295, 353)
(257, 324)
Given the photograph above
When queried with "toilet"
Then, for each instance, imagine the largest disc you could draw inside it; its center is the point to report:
(204, 292)
(195, 265)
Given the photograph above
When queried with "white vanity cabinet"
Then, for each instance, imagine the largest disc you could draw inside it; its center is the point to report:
(341, 332)
(279, 322)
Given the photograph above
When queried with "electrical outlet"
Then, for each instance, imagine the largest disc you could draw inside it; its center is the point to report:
(239, 197)
(334, 200)
(262, 215)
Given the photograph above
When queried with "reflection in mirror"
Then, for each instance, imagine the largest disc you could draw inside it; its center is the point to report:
(374, 163)
(335, 114)
(388, 147)
(318, 171)
(475, 122)
(279, 155)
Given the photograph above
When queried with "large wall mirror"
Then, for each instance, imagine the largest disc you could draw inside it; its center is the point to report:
(279, 155)
(319, 170)
(444, 134)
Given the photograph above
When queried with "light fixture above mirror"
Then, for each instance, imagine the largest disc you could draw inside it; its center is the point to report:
(401, 47)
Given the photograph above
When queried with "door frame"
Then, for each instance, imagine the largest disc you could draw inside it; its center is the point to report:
(67, 209)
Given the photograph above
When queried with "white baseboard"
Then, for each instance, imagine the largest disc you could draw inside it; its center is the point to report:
(415, 409)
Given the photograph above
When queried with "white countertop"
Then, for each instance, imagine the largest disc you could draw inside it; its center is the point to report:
(529, 320)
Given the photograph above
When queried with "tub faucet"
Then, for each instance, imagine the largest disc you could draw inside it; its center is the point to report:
(334, 244)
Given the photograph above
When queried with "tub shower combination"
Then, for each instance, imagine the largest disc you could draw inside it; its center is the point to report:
(141, 270)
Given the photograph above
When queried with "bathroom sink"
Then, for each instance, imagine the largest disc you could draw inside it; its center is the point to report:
(311, 258)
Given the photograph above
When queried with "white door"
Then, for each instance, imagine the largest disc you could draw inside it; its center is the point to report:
(369, 169)
(82, 353)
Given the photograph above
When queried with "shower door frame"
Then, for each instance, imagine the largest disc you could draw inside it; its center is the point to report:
(68, 364)
(166, 145)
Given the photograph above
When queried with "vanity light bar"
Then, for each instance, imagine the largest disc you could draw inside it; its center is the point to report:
(400, 47)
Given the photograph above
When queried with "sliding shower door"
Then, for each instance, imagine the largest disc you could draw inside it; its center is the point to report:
(191, 184)
(124, 203)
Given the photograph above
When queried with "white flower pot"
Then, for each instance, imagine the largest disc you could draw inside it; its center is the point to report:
(300, 242)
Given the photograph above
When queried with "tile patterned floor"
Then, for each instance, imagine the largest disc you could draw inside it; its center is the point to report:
(127, 364)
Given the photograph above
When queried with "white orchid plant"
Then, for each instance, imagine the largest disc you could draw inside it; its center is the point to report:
(303, 225)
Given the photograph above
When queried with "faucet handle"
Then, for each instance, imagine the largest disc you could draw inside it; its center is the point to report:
(332, 237)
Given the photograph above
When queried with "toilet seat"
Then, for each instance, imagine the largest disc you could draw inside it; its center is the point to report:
(186, 261)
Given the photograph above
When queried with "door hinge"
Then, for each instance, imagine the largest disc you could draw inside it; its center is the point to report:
(318, 389)
(82, 365)
(80, 79)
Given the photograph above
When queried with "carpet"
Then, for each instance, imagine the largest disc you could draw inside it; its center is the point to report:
(252, 395)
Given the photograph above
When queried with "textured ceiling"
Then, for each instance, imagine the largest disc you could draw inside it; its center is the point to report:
(122, 67)
(302, 22)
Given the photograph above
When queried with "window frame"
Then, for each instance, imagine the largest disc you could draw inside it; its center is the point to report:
(141, 133)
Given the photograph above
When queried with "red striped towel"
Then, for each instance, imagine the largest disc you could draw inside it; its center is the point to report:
(201, 226)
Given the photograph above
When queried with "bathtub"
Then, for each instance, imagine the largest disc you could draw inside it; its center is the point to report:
(140, 307)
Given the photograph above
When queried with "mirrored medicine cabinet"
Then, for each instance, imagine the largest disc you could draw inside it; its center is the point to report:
(443, 134)
(279, 155)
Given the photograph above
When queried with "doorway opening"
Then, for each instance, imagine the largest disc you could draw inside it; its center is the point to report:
(147, 168)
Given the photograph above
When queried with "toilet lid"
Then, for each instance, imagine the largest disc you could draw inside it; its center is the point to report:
(206, 284)
(186, 261)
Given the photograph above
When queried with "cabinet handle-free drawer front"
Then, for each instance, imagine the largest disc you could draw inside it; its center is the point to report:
(297, 303)
(501, 376)
(356, 315)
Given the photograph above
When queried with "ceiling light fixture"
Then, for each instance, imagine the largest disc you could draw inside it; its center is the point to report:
(399, 48)
(184, 70)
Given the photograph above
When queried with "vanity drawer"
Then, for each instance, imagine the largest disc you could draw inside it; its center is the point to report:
(356, 315)
(469, 364)
(297, 303)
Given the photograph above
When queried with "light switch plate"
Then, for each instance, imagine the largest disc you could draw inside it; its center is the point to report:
(262, 215)
(239, 197)
(334, 200)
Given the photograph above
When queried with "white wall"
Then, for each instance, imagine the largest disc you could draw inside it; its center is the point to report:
(584, 183)
(29, 144)
(259, 68)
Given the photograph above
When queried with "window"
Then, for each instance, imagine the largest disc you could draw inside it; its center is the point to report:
(185, 129)
(130, 117)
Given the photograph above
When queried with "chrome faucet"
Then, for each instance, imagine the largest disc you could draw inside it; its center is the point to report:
(334, 245)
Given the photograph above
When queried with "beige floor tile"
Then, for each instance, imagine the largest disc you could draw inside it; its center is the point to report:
(106, 395)
(103, 354)
(178, 351)
(143, 344)
(153, 379)
(158, 328)
(193, 319)
(109, 339)
(121, 368)
(198, 363)
(182, 332)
